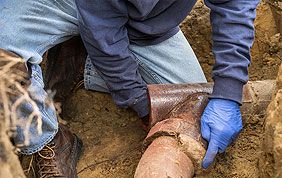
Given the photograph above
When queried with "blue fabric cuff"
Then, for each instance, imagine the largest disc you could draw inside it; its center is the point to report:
(141, 106)
(228, 88)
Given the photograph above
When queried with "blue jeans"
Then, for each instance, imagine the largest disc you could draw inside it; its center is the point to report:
(30, 27)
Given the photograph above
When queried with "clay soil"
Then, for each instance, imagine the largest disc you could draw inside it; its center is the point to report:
(113, 137)
(113, 140)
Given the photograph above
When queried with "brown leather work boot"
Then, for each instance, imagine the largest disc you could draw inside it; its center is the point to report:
(59, 157)
(64, 68)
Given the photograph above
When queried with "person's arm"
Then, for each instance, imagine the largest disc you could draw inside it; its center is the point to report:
(102, 28)
(232, 35)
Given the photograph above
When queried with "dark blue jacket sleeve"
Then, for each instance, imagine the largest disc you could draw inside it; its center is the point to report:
(102, 27)
(232, 35)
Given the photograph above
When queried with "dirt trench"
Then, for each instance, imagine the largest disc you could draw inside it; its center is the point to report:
(113, 137)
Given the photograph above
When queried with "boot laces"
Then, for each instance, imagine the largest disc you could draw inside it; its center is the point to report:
(47, 166)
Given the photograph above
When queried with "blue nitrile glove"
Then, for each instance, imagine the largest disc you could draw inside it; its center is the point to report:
(221, 123)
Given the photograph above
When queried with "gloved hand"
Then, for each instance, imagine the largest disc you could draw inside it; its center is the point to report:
(221, 123)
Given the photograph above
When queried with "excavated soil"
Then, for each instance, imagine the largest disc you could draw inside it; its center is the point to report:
(113, 137)
(113, 140)
(266, 51)
(270, 161)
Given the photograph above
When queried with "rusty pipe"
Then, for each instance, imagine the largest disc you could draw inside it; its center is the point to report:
(174, 144)
(164, 97)
(159, 159)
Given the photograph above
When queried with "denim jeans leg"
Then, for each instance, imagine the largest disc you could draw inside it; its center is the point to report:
(172, 61)
(48, 114)
(29, 28)
(92, 79)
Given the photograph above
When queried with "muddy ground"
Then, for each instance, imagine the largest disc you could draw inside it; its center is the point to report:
(113, 137)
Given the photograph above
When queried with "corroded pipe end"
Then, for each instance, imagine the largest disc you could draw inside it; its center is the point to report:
(186, 134)
(165, 97)
(183, 125)
(163, 159)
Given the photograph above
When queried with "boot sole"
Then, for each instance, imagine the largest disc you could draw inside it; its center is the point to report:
(79, 147)
(78, 150)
